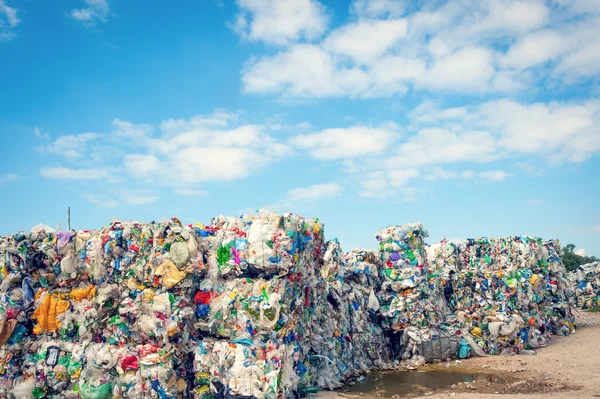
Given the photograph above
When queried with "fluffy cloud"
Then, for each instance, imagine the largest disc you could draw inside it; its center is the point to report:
(469, 69)
(343, 143)
(192, 151)
(8, 20)
(559, 131)
(71, 146)
(288, 74)
(433, 146)
(365, 40)
(463, 46)
(95, 12)
(280, 21)
(534, 49)
(378, 8)
(129, 130)
(580, 252)
(62, 173)
(495, 175)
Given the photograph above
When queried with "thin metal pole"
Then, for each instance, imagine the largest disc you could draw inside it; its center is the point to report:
(69, 218)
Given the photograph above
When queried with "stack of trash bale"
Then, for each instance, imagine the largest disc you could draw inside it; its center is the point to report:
(585, 286)
(98, 314)
(370, 347)
(508, 295)
(256, 305)
(410, 294)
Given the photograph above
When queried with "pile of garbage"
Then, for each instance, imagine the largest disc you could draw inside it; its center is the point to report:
(585, 284)
(508, 295)
(256, 306)
(409, 297)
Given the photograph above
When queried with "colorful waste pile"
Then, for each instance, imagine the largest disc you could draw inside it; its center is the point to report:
(409, 297)
(507, 295)
(256, 306)
(585, 283)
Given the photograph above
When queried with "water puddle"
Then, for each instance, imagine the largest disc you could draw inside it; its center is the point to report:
(406, 383)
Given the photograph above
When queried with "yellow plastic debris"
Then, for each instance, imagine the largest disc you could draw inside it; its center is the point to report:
(79, 294)
(46, 313)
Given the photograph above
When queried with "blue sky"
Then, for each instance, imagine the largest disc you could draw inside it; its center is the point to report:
(476, 118)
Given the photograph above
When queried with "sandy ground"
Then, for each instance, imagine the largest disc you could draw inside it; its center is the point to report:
(568, 368)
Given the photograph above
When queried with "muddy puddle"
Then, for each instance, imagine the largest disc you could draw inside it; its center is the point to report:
(403, 384)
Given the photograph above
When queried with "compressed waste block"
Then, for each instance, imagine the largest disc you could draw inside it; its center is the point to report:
(410, 294)
(507, 294)
(585, 286)
(260, 306)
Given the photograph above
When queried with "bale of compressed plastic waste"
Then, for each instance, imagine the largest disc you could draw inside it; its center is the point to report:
(258, 306)
(409, 296)
(585, 286)
(509, 293)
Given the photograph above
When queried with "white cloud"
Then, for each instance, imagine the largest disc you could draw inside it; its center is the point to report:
(8, 20)
(142, 166)
(400, 177)
(562, 131)
(365, 40)
(392, 74)
(495, 175)
(204, 149)
(343, 143)
(534, 49)
(378, 8)
(62, 173)
(580, 252)
(95, 12)
(289, 74)
(280, 21)
(439, 173)
(37, 132)
(559, 131)
(314, 192)
(71, 146)
(469, 69)
(186, 192)
(129, 130)
(463, 46)
(433, 146)
(8, 177)
(220, 118)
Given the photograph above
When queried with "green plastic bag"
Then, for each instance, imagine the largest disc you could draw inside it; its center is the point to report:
(104, 391)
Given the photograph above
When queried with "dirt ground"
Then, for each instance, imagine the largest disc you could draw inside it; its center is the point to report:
(568, 368)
